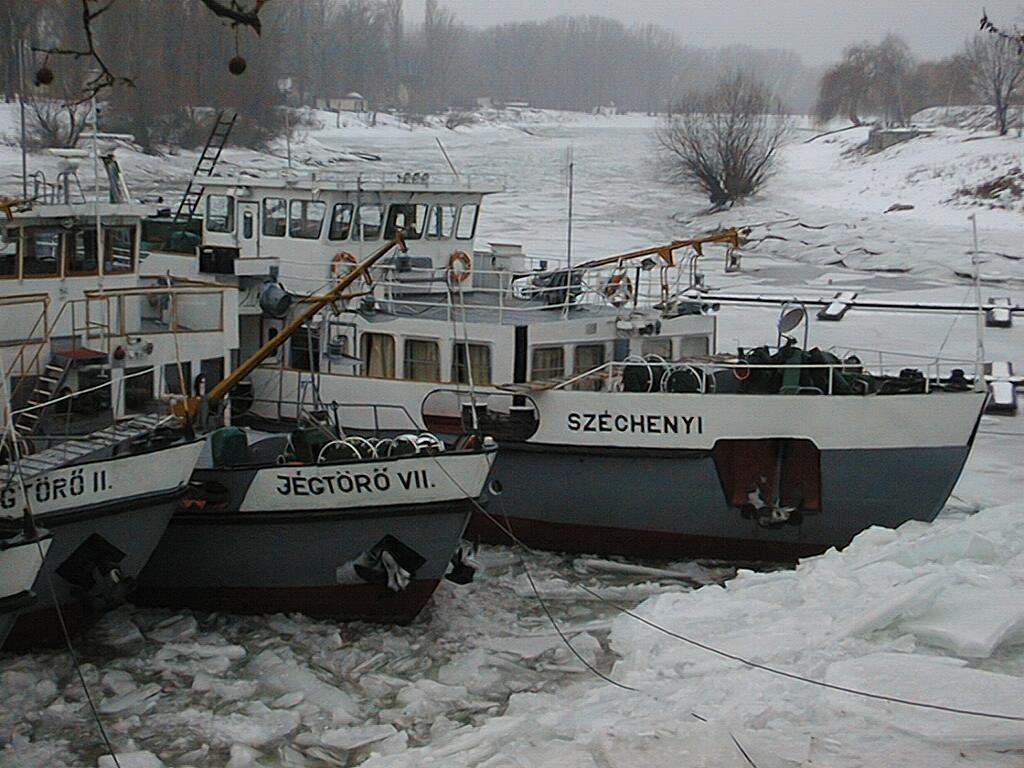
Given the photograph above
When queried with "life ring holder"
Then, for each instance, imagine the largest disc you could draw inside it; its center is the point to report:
(458, 276)
(349, 261)
(619, 288)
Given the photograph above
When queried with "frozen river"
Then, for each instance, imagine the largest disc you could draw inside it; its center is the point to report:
(482, 678)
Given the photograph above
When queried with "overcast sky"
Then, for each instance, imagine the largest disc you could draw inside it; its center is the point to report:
(817, 29)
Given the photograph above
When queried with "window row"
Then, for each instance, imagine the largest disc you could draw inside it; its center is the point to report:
(304, 219)
(422, 360)
(35, 252)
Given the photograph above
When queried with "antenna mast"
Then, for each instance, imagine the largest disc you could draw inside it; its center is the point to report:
(979, 362)
(568, 237)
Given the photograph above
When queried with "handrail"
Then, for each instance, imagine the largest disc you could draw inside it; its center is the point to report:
(706, 365)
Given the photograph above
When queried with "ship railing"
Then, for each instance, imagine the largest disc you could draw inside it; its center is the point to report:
(609, 375)
(374, 411)
(379, 181)
(508, 291)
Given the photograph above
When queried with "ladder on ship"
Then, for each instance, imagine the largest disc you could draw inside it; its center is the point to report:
(208, 158)
(47, 388)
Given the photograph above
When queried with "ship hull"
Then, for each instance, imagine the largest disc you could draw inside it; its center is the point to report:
(120, 531)
(669, 505)
(270, 549)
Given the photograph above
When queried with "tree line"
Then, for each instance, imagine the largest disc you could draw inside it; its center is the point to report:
(883, 80)
(177, 56)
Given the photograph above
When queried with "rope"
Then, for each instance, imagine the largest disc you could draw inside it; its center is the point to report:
(734, 657)
(53, 594)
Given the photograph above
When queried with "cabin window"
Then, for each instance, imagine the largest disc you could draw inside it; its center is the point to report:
(341, 222)
(274, 216)
(467, 222)
(177, 379)
(662, 347)
(378, 355)
(548, 363)
(9, 242)
(81, 256)
(479, 360)
(440, 222)
(220, 213)
(587, 357)
(42, 252)
(247, 227)
(369, 223)
(138, 389)
(408, 218)
(693, 346)
(305, 349)
(306, 219)
(118, 250)
(422, 360)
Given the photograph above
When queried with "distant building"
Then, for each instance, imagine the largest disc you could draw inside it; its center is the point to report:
(484, 102)
(350, 102)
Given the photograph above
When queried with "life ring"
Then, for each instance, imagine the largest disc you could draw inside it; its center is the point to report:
(619, 288)
(340, 258)
(742, 374)
(455, 274)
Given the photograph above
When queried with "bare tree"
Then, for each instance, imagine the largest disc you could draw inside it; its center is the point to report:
(874, 78)
(56, 123)
(997, 72)
(725, 141)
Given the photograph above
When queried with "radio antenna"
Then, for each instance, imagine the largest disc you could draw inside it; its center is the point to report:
(447, 159)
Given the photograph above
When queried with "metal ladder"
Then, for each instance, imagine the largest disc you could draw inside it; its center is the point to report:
(47, 387)
(204, 166)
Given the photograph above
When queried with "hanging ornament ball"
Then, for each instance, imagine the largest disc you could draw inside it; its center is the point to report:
(237, 65)
(44, 76)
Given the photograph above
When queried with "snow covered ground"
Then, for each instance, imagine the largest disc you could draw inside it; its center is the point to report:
(930, 613)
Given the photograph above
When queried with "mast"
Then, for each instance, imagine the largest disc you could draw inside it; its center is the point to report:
(979, 349)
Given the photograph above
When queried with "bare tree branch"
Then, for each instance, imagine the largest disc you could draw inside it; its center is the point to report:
(237, 13)
(104, 78)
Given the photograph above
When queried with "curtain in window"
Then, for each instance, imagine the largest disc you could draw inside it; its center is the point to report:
(588, 357)
(422, 361)
(479, 362)
(378, 355)
(548, 363)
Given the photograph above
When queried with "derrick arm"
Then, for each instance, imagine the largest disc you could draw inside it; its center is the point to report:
(729, 236)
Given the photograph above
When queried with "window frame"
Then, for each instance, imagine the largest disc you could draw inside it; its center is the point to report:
(70, 244)
(406, 375)
(304, 206)
(456, 365)
(547, 348)
(18, 248)
(358, 223)
(458, 224)
(58, 261)
(364, 358)
(588, 385)
(430, 217)
(348, 226)
(229, 225)
(407, 234)
(266, 218)
(108, 250)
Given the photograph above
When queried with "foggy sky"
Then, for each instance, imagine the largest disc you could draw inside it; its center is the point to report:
(817, 29)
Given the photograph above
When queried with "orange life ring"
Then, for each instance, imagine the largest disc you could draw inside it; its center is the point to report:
(745, 371)
(342, 257)
(459, 275)
(619, 288)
